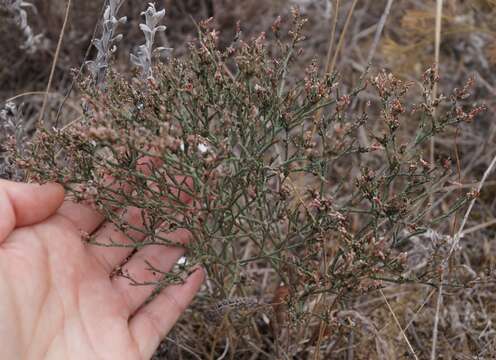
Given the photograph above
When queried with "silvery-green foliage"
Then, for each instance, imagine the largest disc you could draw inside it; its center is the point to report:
(16, 9)
(106, 45)
(144, 55)
(11, 130)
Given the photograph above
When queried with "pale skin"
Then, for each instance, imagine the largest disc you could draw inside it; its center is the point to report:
(58, 299)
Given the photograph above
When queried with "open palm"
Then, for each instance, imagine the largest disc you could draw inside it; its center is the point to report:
(57, 297)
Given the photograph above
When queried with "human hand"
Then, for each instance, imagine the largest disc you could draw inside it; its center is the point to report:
(57, 298)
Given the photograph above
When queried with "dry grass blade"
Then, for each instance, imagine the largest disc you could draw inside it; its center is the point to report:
(339, 46)
(436, 318)
(399, 325)
(72, 105)
(479, 227)
(331, 63)
(420, 309)
(456, 241)
(439, 16)
(378, 33)
(29, 93)
(185, 348)
(55, 60)
(333, 35)
(457, 237)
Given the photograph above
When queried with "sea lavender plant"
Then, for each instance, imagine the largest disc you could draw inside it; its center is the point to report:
(145, 53)
(235, 145)
(106, 45)
(16, 9)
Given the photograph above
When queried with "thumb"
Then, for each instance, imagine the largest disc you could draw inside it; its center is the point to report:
(26, 204)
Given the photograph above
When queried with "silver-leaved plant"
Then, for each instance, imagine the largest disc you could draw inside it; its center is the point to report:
(146, 52)
(106, 45)
(16, 9)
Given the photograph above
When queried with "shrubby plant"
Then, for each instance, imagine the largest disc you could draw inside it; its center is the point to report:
(271, 185)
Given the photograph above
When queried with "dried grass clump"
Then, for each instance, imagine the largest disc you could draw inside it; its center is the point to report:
(227, 130)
